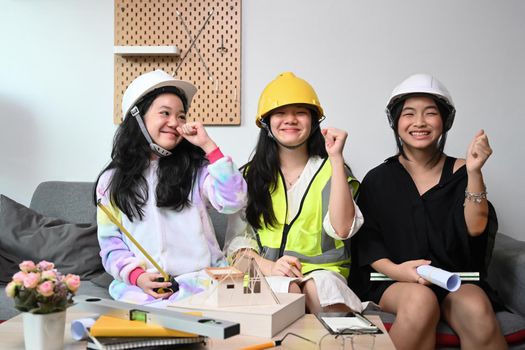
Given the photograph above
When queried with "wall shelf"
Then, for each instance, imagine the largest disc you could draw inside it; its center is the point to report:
(193, 40)
(146, 50)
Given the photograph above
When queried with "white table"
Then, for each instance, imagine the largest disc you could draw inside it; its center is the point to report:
(12, 336)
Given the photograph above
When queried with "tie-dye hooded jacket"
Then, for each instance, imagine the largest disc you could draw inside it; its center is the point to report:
(179, 241)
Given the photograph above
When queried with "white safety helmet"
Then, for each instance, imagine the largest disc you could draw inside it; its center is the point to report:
(140, 87)
(422, 84)
(150, 81)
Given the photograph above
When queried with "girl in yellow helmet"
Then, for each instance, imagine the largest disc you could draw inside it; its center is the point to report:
(300, 203)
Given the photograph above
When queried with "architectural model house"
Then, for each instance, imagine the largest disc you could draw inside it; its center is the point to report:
(240, 293)
(242, 284)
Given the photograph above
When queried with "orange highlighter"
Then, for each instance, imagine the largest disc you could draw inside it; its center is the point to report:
(261, 346)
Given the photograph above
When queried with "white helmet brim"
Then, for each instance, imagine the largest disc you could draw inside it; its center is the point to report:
(151, 81)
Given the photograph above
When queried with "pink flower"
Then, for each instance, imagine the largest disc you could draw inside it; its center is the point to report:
(19, 277)
(10, 289)
(31, 280)
(41, 289)
(46, 288)
(45, 265)
(27, 266)
(49, 275)
(72, 282)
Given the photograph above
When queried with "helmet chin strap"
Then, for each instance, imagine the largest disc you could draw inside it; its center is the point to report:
(270, 135)
(159, 151)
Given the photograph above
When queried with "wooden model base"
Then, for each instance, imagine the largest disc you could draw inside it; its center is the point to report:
(256, 320)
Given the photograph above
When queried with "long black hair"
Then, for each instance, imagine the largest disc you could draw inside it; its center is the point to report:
(131, 155)
(261, 173)
(444, 111)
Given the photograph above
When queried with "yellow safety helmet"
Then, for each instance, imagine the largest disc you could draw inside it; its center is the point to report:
(284, 90)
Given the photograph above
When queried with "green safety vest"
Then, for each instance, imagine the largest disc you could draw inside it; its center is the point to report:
(304, 237)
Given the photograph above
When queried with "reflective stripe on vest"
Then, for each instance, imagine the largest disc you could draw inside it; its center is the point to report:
(301, 238)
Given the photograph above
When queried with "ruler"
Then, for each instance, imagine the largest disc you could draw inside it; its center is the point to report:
(206, 326)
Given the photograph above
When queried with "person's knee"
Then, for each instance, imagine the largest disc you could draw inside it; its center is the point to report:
(420, 298)
(337, 308)
(481, 310)
(478, 324)
(474, 305)
(471, 315)
(419, 306)
(294, 288)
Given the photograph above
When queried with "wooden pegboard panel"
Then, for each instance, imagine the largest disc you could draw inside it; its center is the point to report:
(155, 23)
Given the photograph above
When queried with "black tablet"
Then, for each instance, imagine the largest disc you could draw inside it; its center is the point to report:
(347, 323)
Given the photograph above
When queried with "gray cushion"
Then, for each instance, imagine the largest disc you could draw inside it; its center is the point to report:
(506, 271)
(69, 201)
(103, 280)
(27, 235)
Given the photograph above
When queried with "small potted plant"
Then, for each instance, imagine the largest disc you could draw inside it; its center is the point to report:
(43, 294)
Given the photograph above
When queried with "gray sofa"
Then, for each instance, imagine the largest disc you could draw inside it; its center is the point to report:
(72, 202)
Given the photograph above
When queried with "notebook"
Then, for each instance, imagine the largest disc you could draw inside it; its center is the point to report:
(121, 343)
(347, 323)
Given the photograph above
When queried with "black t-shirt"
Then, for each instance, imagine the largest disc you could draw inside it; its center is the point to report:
(400, 224)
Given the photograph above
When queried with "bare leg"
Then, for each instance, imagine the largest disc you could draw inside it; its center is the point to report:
(294, 288)
(313, 305)
(340, 307)
(417, 315)
(469, 312)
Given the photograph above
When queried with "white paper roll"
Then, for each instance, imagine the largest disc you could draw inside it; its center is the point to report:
(448, 280)
(80, 327)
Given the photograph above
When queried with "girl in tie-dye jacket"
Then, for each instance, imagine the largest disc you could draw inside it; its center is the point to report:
(163, 173)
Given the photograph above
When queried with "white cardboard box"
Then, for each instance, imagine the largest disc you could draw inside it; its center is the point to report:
(256, 320)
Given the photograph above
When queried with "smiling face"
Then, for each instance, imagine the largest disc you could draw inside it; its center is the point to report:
(162, 118)
(291, 125)
(420, 124)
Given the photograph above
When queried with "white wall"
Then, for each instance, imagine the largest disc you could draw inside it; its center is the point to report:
(57, 76)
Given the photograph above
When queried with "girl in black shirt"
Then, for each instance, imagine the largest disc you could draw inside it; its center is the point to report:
(422, 207)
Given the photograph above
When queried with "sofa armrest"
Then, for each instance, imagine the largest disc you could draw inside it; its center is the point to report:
(220, 222)
(506, 272)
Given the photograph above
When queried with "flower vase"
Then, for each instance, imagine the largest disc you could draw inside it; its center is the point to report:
(44, 331)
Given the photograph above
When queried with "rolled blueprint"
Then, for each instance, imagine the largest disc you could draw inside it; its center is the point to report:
(448, 280)
(80, 328)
